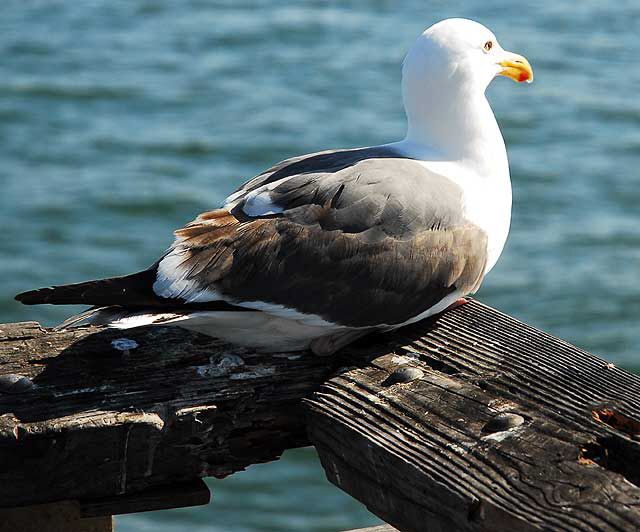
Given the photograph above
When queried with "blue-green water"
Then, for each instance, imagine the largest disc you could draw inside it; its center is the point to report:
(121, 120)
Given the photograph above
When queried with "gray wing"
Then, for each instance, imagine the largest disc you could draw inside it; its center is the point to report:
(324, 162)
(358, 237)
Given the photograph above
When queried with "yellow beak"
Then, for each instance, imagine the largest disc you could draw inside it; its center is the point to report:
(517, 68)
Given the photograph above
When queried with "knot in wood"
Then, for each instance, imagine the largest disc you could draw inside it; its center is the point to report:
(13, 383)
(403, 375)
(502, 422)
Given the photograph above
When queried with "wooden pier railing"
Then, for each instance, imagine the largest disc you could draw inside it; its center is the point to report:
(471, 421)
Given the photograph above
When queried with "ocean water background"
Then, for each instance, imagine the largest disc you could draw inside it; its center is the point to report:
(122, 120)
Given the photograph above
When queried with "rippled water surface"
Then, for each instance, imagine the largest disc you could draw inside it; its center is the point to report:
(121, 120)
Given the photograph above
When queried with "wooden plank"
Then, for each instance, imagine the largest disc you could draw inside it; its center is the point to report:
(57, 517)
(184, 494)
(103, 416)
(102, 419)
(496, 426)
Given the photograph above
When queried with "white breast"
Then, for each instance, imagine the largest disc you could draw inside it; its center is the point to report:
(488, 205)
(487, 202)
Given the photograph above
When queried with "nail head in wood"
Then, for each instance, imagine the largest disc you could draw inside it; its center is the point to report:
(404, 375)
(14, 384)
(503, 422)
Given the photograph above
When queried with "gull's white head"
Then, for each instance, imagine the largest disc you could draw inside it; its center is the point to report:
(444, 78)
(463, 53)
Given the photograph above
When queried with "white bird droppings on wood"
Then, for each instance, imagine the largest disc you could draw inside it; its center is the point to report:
(124, 344)
(401, 359)
(255, 373)
(220, 365)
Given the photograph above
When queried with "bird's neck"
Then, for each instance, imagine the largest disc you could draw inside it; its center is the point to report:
(456, 135)
(456, 126)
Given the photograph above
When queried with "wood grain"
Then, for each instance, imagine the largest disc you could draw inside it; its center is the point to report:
(101, 422)
(499, 431)
(184, 494)
(470, 421)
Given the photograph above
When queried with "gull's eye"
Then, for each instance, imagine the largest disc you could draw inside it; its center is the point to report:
(487, 46)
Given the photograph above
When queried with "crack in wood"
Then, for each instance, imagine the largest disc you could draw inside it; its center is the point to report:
(123, 464)
(617, 421)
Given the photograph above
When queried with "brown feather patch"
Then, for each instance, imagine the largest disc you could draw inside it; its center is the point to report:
(342, 277)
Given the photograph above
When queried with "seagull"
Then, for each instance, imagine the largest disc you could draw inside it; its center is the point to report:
(324, 248)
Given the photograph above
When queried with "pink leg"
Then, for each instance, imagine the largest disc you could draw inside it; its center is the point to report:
(457, 303)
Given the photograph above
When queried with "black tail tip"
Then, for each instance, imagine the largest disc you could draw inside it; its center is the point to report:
(33, 297)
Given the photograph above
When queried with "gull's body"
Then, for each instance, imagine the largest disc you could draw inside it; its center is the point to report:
(326, 247)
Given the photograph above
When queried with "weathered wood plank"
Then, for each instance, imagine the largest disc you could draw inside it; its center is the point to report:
(56, 517)
(184, 494)
(498, 427)
(114, 413)
(102, 420)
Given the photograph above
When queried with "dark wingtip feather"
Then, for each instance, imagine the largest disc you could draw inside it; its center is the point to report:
(134, 289)
(34, 297)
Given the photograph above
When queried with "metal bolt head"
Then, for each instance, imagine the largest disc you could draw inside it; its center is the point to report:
(13, 383)
(404, 375)
(504, 421)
